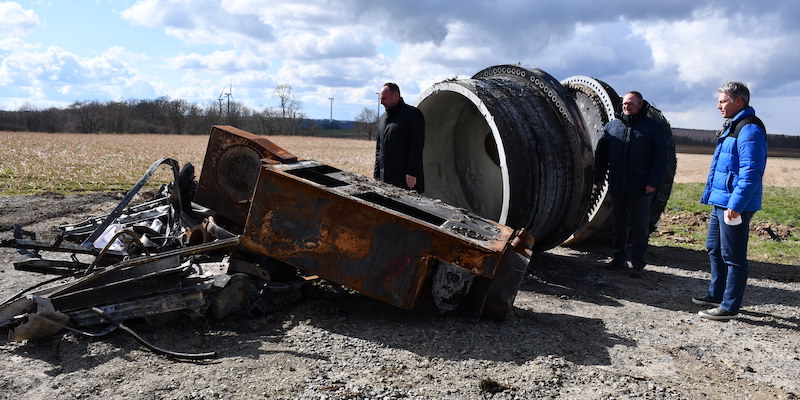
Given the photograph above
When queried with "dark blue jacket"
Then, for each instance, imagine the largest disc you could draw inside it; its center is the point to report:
(737, 169)
(633, 151)
(398, 151)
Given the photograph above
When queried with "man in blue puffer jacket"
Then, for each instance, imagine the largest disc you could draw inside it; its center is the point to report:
(734, 190)
(633, 149)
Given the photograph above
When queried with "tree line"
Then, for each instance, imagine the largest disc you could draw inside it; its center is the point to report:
(174, 116)
(704, 137)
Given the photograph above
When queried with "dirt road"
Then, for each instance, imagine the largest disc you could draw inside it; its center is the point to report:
(576, 332)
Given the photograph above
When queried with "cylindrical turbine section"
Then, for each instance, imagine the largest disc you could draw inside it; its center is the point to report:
(509, 144)
(598, 102)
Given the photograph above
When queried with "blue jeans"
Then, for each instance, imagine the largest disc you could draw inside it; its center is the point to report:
(727, 250)
(631, 215)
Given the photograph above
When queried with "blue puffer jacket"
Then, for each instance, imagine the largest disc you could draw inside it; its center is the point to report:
(633, 149)
(734, 179)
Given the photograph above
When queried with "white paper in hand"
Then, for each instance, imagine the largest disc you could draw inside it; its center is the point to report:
(733, 222)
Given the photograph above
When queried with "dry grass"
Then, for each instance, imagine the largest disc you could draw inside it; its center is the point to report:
(783, 172)
(352, 155)
(33, 162)
(40, 162)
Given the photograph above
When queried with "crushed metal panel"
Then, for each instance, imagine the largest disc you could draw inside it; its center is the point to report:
(53, 267)
(124, 289)
(180, 300)
(230, 169)
(45, 321)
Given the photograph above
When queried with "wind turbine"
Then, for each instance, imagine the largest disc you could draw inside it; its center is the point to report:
(331, 99)
(228, 96)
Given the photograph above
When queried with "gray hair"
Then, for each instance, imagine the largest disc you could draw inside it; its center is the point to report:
(736, 89)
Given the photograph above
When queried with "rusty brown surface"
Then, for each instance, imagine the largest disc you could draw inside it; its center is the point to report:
(373, 238)
(230, 168)
(379, 240)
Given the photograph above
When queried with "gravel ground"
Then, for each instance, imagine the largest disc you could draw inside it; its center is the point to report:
(576, 331)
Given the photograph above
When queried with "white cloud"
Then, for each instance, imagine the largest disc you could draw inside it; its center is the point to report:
(334, 43)
(15, 45)
(196, 22)
(58, 74)
(16, 20)
(675, 52)
(219, 61)
(713, 47)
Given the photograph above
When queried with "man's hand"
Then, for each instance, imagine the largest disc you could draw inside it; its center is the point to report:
(411, 181)
(731, 214)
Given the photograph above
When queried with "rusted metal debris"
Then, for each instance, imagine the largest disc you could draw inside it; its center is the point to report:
(258, 223)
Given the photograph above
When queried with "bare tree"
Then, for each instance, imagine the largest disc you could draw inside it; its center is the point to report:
(284, 93)
(118, 117)
(177, 111)
(366, 122)
(89, 115)
(290, 121)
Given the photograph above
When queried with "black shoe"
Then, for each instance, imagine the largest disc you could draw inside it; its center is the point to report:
(718, 314)
(616, 265)
(705, 301)
(637, 273)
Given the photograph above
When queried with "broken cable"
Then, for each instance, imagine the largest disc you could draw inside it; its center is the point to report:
(26, 290)
(155, 349)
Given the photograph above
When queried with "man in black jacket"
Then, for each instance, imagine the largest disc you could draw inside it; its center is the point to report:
(633, 150)
(401, 137)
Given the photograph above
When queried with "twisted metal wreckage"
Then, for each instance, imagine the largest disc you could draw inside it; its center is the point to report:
(510, 144)
(259, 211)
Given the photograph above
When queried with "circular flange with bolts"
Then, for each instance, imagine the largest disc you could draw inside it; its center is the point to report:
(597, 102)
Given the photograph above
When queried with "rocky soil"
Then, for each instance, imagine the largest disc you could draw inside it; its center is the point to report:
(576, 331)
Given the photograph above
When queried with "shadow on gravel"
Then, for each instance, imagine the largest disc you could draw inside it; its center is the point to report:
(522, 337)
(69, 353)
(693, 260)
(580, 275)
(762, 319)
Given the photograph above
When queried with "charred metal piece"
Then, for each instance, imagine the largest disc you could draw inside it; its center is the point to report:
(363, 234)
(174, 223)
(53, 267)
(119, 282)
(230, 170)
(63, 247)
(133, 214)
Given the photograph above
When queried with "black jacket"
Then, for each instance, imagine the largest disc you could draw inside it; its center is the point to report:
(633, 150)
(398, 151)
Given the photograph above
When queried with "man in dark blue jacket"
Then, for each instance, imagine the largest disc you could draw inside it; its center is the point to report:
(401, 138)
(734, 189)
(633, 151)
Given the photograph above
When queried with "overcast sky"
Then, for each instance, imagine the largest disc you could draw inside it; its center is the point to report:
(675, 52)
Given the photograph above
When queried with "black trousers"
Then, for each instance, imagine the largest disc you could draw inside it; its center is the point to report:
(631, 215)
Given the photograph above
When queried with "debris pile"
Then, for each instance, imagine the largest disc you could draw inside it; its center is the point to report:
(258, 224)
